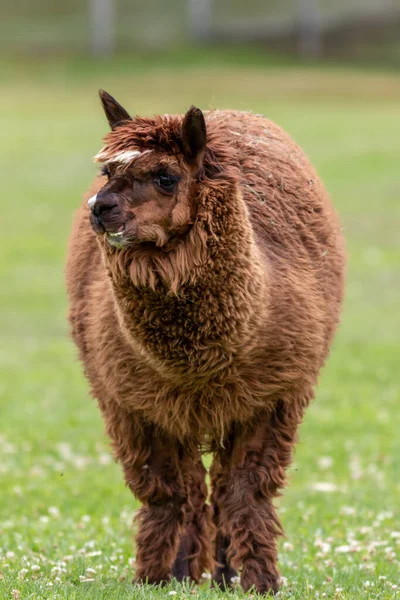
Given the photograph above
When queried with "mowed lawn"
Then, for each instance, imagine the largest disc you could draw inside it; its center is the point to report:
(65, 514)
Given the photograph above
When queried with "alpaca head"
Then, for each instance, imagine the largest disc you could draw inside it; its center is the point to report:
(150, 170)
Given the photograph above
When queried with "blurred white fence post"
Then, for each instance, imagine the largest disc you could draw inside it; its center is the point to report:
(199, 14)
(102, 16)
(309, 27)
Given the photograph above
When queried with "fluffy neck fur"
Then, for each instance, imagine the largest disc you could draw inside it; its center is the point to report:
(189, 310)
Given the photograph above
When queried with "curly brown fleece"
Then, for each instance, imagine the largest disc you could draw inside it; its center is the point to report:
(210, 339)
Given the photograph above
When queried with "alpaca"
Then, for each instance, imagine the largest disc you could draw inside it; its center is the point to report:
(205, 277)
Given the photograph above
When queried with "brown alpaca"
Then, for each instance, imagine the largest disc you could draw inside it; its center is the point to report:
(205, 281)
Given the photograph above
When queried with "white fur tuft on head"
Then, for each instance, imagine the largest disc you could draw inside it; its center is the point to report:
(125, 157)
(100, 156)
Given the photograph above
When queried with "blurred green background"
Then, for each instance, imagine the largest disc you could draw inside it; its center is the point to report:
(64, 511)
(347, 28)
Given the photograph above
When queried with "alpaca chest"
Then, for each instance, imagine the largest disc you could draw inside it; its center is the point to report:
(191, 408)
(188, 332)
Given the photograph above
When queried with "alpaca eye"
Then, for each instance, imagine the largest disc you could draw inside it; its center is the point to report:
(105, 171)
(166, 182)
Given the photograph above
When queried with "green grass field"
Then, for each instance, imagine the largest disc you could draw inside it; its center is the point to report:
(65, 515)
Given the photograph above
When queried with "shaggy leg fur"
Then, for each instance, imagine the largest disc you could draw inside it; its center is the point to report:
(223, 572)
(180, 569)
(195, 549)
(260, 455)
(151, 463)
(175, 530)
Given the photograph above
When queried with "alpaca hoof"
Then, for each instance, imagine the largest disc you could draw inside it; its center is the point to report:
(224, 579)
(261, 585)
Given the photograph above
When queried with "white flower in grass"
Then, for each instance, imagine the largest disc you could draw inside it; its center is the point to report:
(288, 546)
(395, 534)
(353, 547)
(53, 511)
(105, 459)
(35, 568)
(355, 468)
(324, 546)
(65, 450)
(10, 555)
(325, 462)
(91, 571)
(324, 486)
(22, 573)
(386, 514)
(172, 593)
(81, 462)
(347, 510)
(376, 544)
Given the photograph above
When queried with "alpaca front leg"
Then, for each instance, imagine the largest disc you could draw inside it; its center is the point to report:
(195, 549)
(254, 529)
(162, 491)
(157, 541)
(151, 464)
(260, 454)
(223, 573)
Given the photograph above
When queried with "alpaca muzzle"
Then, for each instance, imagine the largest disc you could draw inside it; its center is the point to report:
(106, 212)
(106, 217)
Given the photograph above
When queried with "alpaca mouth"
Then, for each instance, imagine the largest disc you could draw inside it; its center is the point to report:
(116, 238)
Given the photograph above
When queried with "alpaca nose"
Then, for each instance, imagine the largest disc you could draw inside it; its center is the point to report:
(100, 205)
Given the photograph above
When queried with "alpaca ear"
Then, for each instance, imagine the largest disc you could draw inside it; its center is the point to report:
(115, 113)
(194, 136)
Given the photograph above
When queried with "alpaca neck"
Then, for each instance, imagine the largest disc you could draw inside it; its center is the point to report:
(193, 308)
